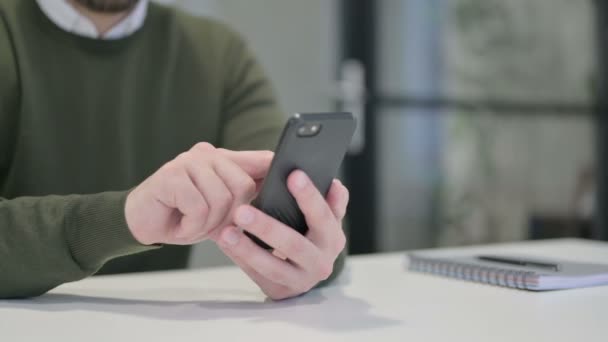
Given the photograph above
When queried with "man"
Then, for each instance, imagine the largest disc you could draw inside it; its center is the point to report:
(122, 102)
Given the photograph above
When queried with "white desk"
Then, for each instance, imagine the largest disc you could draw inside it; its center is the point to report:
(375, 300)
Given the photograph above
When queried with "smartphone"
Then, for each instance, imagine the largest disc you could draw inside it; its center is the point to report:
(314, 143)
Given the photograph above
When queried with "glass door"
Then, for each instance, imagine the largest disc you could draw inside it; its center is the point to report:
(476, 117)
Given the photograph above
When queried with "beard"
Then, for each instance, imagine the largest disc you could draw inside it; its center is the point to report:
(108, 6)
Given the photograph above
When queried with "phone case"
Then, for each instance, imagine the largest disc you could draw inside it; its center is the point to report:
(319, 156)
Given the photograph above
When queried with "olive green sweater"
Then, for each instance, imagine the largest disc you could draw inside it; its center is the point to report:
(84, 120)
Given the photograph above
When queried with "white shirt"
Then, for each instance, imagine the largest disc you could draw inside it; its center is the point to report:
(68, 18)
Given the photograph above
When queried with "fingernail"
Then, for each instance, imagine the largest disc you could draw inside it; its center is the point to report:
(231, 237)
(244, 216)
(300, 180)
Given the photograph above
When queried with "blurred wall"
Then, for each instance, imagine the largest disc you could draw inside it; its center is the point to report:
(295, 42)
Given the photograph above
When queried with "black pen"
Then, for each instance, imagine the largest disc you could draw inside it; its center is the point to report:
(519, 262)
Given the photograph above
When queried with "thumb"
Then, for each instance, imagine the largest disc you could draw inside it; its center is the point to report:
(254, 163)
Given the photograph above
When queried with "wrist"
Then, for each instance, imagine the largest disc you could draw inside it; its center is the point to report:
(137, 229)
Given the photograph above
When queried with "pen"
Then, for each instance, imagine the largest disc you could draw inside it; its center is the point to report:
(519, 262)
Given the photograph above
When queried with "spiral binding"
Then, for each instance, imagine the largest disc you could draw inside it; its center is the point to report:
(524, 280)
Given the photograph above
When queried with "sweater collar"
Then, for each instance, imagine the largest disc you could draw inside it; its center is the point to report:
(69, 19)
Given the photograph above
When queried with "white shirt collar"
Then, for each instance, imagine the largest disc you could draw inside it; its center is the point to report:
(69, 19)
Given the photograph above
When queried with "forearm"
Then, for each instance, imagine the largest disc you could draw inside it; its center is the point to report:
(47, 241)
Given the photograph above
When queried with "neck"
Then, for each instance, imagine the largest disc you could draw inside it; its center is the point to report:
(103, 21)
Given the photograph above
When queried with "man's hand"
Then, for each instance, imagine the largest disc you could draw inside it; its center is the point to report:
(298, 262)
(193, 196)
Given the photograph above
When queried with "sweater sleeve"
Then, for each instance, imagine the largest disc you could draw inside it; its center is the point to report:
(51, 240)
(253, 118)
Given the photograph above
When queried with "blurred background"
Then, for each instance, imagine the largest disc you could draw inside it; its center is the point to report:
(479, 120)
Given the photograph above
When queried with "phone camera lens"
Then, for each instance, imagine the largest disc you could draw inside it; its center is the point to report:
(309, 130)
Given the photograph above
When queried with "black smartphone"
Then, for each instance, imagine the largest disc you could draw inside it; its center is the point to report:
(314, 143)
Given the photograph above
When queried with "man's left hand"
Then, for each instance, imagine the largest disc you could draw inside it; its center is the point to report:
(298, 262)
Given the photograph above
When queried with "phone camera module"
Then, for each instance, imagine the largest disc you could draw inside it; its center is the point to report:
(309, 130)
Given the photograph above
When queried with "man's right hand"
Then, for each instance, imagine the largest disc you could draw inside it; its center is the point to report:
(192, 197)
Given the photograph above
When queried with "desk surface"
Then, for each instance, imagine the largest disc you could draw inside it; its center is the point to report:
(375, 299)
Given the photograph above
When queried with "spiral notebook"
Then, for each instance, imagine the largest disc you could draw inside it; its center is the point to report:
(514, 271)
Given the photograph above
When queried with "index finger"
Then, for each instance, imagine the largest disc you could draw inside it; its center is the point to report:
(286, 240)
(254, 163)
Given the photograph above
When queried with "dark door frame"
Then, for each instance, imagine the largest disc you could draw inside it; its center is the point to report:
(601, 119)
(358, 39)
